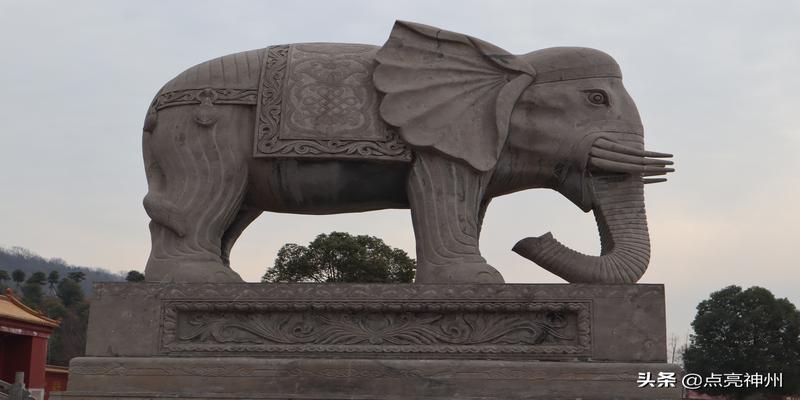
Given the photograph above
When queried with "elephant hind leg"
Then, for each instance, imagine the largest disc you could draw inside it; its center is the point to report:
(447, 206)
(244, 217)
(197, 178)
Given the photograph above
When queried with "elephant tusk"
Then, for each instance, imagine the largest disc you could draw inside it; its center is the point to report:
(616, 147)
(657, 173)
(614, 166)
(653, 180)
(625, 158)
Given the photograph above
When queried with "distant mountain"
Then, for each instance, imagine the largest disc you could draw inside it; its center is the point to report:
(30, 262)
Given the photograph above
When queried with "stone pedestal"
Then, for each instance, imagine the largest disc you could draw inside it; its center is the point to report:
(355, 341)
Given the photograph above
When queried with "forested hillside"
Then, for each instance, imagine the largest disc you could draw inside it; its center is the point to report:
(18, 258)
(57, 289)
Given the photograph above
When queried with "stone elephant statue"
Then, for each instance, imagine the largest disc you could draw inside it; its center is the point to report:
(434, 121)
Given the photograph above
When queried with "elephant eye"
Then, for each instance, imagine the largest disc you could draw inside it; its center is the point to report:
(597, 97)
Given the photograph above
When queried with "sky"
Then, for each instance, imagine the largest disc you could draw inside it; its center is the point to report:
(717, 84)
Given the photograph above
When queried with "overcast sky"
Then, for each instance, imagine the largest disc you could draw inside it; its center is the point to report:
(717, 84)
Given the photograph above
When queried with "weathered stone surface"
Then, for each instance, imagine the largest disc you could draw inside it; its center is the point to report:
(623, 323)
(317, 101)
(332, 379)
(434, 121)
(371, 341)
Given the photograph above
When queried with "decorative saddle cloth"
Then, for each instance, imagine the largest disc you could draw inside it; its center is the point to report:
(313, 100)
(318, 100)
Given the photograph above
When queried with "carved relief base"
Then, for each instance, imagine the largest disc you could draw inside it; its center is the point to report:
(622, 323)
(101, 378)
(371, 341)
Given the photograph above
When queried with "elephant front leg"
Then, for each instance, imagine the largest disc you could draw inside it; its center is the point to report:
(446, 200)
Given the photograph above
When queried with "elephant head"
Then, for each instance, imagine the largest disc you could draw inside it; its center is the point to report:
(557, 118)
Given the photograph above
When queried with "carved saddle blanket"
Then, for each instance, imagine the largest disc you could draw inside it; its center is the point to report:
(313, 100)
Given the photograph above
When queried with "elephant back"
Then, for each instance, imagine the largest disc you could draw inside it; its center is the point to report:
(233, 71)
(232, 79)
(313, 100)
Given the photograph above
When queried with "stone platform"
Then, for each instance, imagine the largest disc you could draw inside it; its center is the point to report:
(356, 341)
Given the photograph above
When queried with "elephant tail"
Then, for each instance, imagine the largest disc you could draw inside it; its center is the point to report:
(160, 210)
(165, 213)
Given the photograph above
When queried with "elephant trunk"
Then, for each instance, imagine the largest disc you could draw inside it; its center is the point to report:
(625, 242)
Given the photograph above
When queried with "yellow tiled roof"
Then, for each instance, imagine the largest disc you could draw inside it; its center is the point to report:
(56, 368)
(12, 308)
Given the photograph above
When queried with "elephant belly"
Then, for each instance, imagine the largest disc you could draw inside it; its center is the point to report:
(326, 187)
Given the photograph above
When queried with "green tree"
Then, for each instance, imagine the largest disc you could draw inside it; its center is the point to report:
(52, 280)
(32, 289)
(70, 292)
(134, 276)
(4, 276)
(18, 276)
(69, 340)
(745, 331)
(38, 278)
(76, 276)
(32, 294)
(341, 257)
(53, 308)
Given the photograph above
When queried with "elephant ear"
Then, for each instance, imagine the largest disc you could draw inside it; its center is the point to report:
(449, 91)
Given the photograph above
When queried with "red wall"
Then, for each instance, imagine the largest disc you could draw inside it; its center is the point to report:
(38, 357)
(55, 381)
(15, 356)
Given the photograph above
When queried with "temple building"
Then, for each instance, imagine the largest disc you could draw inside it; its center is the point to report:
(24, 333)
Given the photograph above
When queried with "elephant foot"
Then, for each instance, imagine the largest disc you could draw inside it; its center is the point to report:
(458, 273)
(169, 271)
